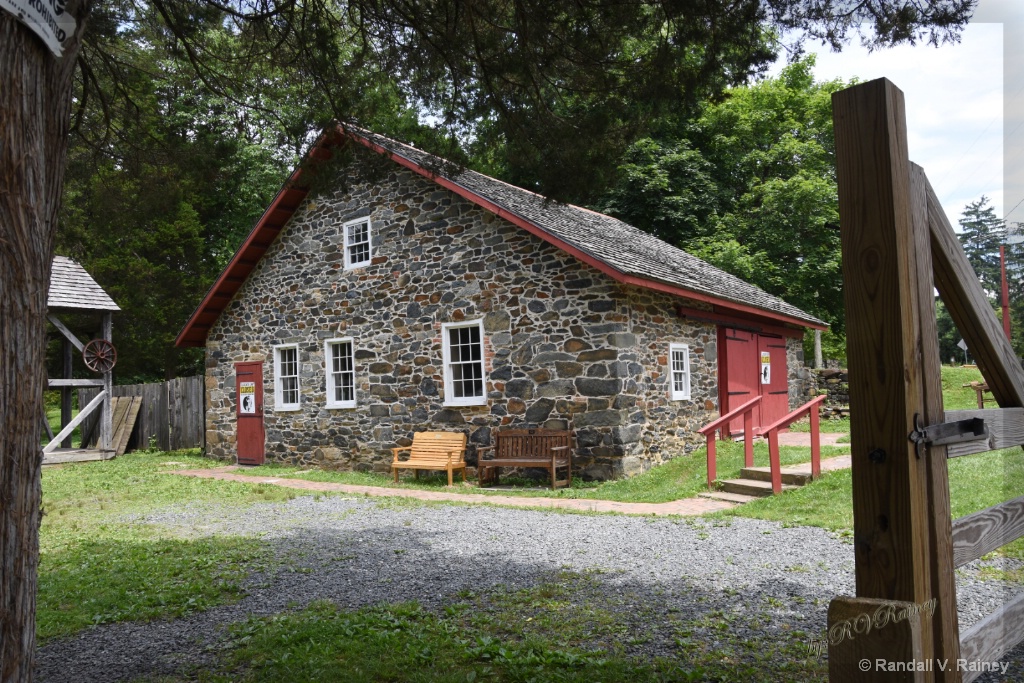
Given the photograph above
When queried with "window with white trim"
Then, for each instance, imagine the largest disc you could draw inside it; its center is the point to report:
(463, 350)
(286, 377)
(679, 371)
(357, 242)
(341, 373)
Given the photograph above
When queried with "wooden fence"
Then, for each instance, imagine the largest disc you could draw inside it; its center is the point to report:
(172, 414)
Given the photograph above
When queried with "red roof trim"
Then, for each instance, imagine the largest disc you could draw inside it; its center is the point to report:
(280, 212)
(259, 239)
(581, 255)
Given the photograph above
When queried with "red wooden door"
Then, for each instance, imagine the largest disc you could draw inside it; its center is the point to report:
(741, 374)
(249, 411)
(773, 378)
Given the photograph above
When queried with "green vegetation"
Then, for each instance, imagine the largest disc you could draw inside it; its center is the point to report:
(96, 567)
(561, 630)
(975, 482)
(681, 477)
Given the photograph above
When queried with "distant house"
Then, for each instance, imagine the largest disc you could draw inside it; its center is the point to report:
(409, 295)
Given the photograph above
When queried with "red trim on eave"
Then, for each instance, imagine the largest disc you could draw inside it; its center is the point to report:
(290, 197)
(758, 324)
(581, 255)
(234, 275)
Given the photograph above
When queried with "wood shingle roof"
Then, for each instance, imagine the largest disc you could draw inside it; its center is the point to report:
(72, 287)
(618, 249)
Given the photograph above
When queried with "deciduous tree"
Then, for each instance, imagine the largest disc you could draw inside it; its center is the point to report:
(556, 80)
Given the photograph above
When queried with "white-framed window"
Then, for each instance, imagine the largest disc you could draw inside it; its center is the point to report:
(463, 349)
(339, 362)
(357, 242)
(286, 377)
(679, 371)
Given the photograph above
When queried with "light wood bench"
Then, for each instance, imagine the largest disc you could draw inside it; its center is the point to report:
(548, 449)
(433, 451)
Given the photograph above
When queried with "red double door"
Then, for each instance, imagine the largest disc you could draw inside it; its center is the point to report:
(753, 365)
(249, 411)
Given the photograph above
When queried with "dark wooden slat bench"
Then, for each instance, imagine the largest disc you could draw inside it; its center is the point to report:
(549, 449)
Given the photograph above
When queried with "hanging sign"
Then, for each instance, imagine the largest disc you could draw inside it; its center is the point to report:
(247, 398)
(766, 367)
(46, 18)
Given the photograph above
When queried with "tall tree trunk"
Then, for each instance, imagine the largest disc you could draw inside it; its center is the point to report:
(35, 107)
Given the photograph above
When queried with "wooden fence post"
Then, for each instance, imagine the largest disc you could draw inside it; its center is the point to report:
(900, 496)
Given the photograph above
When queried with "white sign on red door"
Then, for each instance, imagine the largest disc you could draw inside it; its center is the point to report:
(247, 398)
(766, 367)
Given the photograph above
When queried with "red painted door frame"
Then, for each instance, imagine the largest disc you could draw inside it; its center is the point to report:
(739, 375)
(775, 394)
(251, 437)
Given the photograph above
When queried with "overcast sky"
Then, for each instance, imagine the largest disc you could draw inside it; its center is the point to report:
(964, 104)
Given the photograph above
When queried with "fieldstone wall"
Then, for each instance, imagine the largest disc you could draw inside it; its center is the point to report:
(565, 344)
(803, 381)
(835, 382)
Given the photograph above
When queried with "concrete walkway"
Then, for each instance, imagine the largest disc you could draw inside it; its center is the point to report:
(686, 507)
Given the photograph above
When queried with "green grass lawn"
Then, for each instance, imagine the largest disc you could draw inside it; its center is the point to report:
(96, 568)
(53, 418)
(682, 477)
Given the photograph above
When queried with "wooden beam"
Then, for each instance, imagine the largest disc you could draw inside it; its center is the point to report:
(1005, 430)
(995, 635)
(886, 639)
(106, 413)
(70, 427)
(897, 550)
(986, 530)
(55, 383)
(945, 622)
(970, 309)
(68, 334)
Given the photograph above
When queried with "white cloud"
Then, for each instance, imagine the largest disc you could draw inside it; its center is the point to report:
(954, 108)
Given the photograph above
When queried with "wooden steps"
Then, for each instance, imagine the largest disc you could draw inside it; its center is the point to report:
(756, 482)
(797, 475)
(737, 498)
(751, 487)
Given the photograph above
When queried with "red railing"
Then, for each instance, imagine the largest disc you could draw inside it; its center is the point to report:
(772, 433)
(709, 430)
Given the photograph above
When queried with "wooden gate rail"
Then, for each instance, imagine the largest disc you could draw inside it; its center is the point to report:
(772, 433)
(895, 240)
(710, 428)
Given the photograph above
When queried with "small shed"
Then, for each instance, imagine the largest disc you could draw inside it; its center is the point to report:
(74, 294)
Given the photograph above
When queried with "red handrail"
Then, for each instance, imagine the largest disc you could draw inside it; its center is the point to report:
(709, 429)
(772, 432)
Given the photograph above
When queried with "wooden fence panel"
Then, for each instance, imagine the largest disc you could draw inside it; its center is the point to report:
(173, 413)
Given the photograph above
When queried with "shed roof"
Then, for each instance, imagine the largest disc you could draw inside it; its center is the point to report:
(72, 287)
(618, 249)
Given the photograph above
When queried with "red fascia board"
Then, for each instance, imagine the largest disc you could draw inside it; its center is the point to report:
(581, 255)
(754, 323)
(231, 278)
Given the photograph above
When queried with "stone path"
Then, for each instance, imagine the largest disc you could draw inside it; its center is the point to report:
(684, 507)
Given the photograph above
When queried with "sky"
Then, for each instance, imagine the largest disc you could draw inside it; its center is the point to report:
(964, 106)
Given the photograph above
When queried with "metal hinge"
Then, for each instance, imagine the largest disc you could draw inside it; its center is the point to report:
(943, 433)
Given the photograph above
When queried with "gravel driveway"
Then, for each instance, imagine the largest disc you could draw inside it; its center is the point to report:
(773, 581)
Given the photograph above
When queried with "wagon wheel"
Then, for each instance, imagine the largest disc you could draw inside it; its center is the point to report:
(99, 355)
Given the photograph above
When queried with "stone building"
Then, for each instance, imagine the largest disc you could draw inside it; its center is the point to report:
(402, 294)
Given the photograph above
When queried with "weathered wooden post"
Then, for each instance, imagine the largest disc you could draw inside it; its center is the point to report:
(900, 495)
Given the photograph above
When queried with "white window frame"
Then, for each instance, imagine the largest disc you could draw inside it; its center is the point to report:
(677, 394)
(330, 372)
(279, 403)
(450, 399)
(346, 230)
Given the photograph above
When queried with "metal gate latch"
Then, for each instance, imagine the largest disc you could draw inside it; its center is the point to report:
(943, 433)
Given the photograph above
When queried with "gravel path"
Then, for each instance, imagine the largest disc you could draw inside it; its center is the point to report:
(358, 552)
